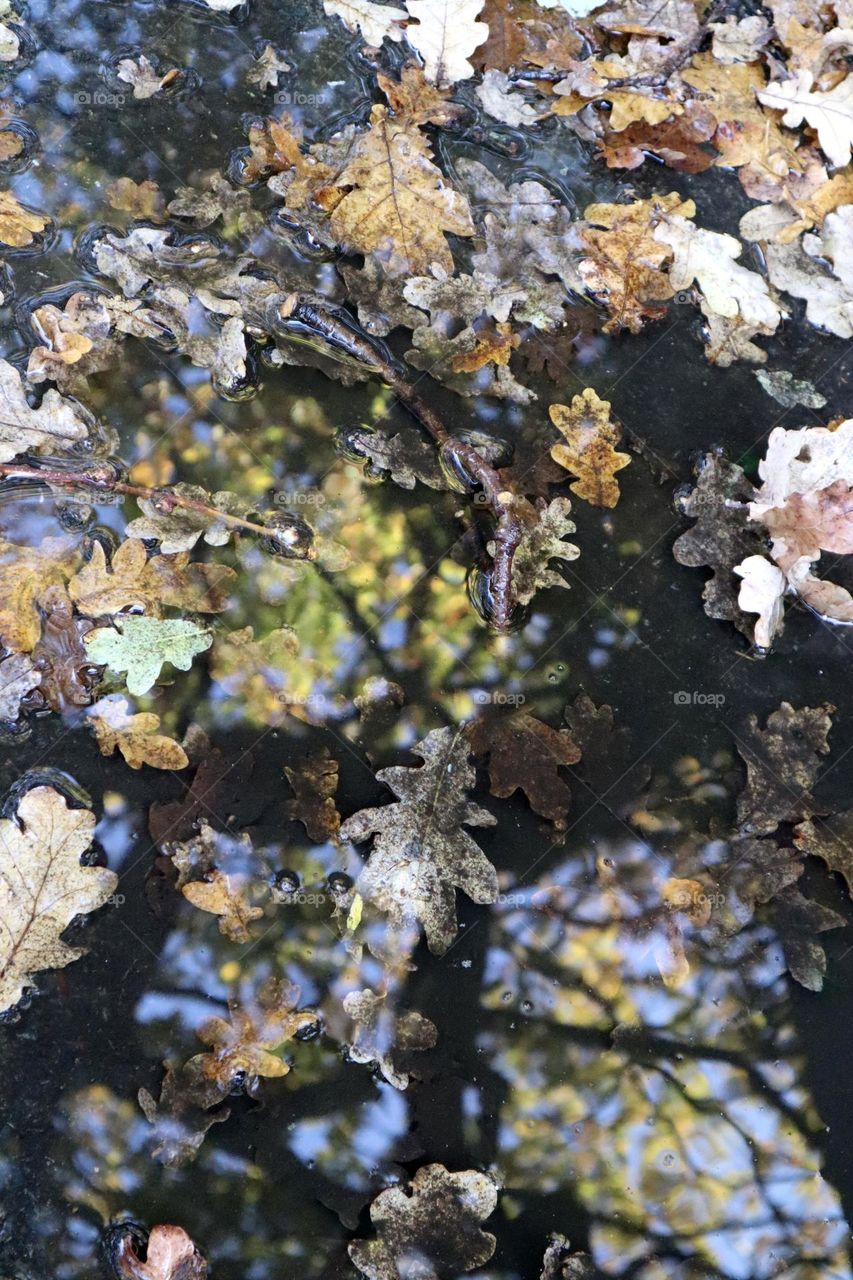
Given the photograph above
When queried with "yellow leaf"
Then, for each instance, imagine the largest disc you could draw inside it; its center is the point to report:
(135, 736)
(589, 451)
(18, 226)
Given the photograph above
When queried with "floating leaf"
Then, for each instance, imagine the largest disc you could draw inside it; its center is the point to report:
(782, 763)
(19, 226)
(43, 886)
(589, 451)
(169, 1255)
(243, 1046)
(445, 33)
(134, 581)
(140, 647)
(225, 896)
(18, 677)
(315, 782)
(56, 423)
(525, 753)
(421, 853)
(541, 542)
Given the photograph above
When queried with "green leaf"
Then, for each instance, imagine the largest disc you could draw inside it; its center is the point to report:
(140, 646)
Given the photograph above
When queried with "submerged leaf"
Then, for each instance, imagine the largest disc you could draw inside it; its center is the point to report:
(315, 782)
(525, 753)
(243, 1046)
(169, 1255)
(782, 763)
(436, 1220)
(135, 736)
(421, 853)
(589, 451)
(56, 423)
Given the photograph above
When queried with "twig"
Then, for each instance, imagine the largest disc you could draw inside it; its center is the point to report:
(164, 501)
(504, 506)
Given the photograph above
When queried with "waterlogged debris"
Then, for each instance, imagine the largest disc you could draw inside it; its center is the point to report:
(188, 1106)
(18, 678)
(498, 97)
(229, 898)
(56, 424)
(141, 646)
(243, 1047)
(722, 538)
(315, 783)
(561, 1262)
(421, 853)
(268, 66)
(133, 581)
(788, 390)
(525, 753)
(589, 451)
(435, 1220)
(547, 525)
(179, 528)
(782, 763)
(385, 1038)
(43, 886)
(170, 1254)
(19, 227)
(140, 199)
(404, 455)
(135, 736)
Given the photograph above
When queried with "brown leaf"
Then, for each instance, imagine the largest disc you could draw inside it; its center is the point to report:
(133, 580)
(219, 789)
(524, 753)
(140, 199)
(589, 451)
(676, 142)
(225, 896)
(782, 763)
(135, 736)
(418, 101)
(832, 840)
(243, 1045)
(60, 654)
(315, 781)
(170, 1255)
(395, 202)
(25, 574)
(19, 226)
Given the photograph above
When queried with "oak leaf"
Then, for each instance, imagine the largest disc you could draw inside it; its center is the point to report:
(225, 896)
(169, 1255)
(135, 736)
(140, 647)
(546, 527)
(445, 33)
(524, 753)
(782, 763)
(25, 574)
(589, 451)
(133, 580)
(623, 263)
(19, 226)
(43, 886)
(436, 1220)
(829, 113)
(55, 423)
(421, 853)
(373, 21)
(395, 202)
(243, 1045)
(384, 1037)
(315, 782)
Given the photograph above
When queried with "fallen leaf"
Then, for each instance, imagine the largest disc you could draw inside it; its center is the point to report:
(59, 655)
(436, 1220)
(269, 65)
(373, 21)
(55, 424)
(782, 763)
(762, 591)
(135, 736)
(140, 199)
(19, 226)
(169, 1255)
(445, 33)
(788, 390)
(829, 113)
(385, 1038)
(394, 201)
(43, 886)
(832, 840)
(542, 541)
(140, 647)
(18, 677)
(524, 753)
(25, 574)
(589, 452)
(315, 782)
(243, 1046)
(677, 143)
(133, 581)
(421, 853)
(145, 80)
(225, 896)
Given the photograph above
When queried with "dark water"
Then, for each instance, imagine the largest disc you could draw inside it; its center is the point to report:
(695, 1130)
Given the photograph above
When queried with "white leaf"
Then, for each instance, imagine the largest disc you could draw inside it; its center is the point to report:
(762, 592)
(374, 21)
(829, 113)
(711, 260)
(445, 35)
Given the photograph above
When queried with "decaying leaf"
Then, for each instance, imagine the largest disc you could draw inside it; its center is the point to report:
(179, 528)
(829, 113)
(19, 226)
(228, 897)
(56, 424)
(140, 647)
(561, 1262)
(421, 853)
(244, 1046)
(269, 65)
(525, 753)
(782, 763)
(133, 581)
(188, 1106)
(721, 538)
(375, 22)
(141, 199)
(43, 886)
(589, 452)
(315, 782)
(542, 542)
(18, 677)
(385, 1038)
(135, 736)
(170, 1254)
(623, 263)
(394, 202)
(143, 77)
(788, 390)
(436, 1220)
